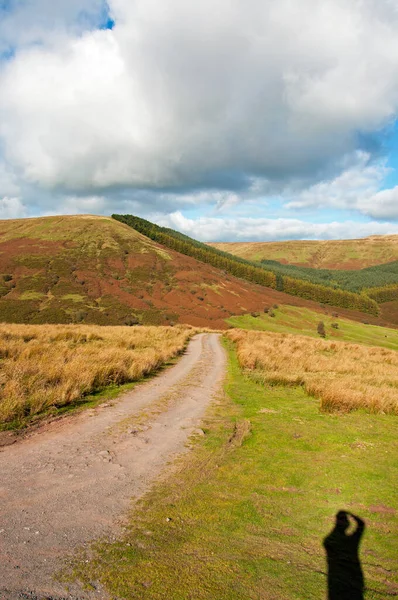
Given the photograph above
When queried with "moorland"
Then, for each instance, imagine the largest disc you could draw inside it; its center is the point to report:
(305, 424)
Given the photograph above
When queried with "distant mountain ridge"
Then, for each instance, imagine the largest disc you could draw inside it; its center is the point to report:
(324, 254)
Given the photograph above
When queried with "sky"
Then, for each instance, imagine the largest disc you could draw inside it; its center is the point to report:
(229, 120)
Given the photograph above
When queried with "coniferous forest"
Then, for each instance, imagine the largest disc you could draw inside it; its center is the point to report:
(347, 289)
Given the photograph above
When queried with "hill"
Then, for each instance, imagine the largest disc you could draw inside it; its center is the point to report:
(90, 269)
(330, 254)
(312, 285)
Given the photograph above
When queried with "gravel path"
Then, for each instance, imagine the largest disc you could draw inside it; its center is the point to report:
(73, 481)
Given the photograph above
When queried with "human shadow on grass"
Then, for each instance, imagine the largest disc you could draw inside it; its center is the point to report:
(345, 577)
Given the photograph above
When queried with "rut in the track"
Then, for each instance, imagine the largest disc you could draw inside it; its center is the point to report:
(73, 481)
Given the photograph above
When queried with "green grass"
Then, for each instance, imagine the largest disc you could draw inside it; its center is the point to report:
(73, 297)
(32, 295)
(245, 512)
(303, 321)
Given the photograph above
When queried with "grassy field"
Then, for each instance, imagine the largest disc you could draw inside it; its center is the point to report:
(330, 254)
(44, 369)
(244, 514)
(303, 321)
(342, 376)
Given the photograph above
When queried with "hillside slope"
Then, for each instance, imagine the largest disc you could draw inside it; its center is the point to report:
(96, 270)
(330, 254)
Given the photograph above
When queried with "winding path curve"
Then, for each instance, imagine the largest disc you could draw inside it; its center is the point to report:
(73, 481)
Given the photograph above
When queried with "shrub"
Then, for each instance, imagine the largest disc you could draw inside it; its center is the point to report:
(335, 315)
(271, 313)
(78, 316)
(335, 325)
(321, 329)
(7, 277)
(266, 309)
(255, 314)
(130, 321)
(276, 306)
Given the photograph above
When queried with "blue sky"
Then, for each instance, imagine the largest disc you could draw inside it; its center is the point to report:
(247, 121)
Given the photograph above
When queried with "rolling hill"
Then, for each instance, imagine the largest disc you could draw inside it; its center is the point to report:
(311, 284)
(94, 269)
(91, 269)
(330, 254)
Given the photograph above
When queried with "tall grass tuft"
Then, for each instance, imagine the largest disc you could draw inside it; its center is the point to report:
(343, 376)
(47, 367)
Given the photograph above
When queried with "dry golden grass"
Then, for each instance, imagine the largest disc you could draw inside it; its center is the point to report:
(46, 367)
(343, 376)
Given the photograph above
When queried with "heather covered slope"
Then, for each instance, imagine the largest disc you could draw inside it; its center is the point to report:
(91, 269)
(96, 270)
(330, 254)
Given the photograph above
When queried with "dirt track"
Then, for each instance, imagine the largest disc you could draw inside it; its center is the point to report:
(73, 481)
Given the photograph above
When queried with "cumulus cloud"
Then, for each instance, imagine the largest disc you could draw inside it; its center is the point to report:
(73, 205)
(12, 208)
(357, 188)
(359, 180)
(249, 229)
(8, 182)
(382, 205)
(200, 95)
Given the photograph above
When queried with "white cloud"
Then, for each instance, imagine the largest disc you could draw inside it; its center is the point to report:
(349, 190)
(199, 95)
(357, 189)
(262, 230)
(8, 182)
(12, 208)
(73, 205)
(382, 205)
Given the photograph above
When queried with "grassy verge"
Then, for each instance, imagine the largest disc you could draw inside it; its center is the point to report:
(303, 321)
(53, 368)
(243, 515)
(111, 392)
(343, 376)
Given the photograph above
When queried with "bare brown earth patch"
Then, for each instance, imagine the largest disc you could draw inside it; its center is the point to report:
(382, 509)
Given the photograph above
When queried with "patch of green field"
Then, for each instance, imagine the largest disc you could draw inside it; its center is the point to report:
(74, 297)
(32, 295)
(245, 512)
(303, 321)
(214, 287)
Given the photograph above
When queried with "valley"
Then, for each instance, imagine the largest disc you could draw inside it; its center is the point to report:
(94, 270)
(193, 424)
(198, 300)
